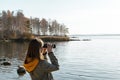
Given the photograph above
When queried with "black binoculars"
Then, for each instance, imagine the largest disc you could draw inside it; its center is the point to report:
(45, 45)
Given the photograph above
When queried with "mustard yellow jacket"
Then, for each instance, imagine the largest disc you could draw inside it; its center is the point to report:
(41, 69)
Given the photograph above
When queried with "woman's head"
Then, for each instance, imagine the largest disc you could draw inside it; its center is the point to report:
(34, 48)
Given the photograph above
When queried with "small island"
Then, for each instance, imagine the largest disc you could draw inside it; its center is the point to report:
(15, 26)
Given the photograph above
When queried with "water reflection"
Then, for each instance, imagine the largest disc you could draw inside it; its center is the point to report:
(13, 50)
(79, 60)
(14, 53)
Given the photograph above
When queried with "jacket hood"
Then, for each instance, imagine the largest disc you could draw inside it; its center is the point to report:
(31, 65)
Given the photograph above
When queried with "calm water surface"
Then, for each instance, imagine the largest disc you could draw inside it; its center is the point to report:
(98, 59)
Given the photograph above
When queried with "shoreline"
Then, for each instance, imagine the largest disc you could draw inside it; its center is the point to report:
(44, 38)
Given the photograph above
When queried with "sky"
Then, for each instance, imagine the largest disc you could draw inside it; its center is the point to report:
(80, 16)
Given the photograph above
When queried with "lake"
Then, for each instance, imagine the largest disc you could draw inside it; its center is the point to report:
(97, 59)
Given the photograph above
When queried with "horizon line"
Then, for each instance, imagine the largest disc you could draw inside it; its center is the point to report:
(97, 34)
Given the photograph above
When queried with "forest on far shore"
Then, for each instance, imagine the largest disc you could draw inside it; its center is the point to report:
(14, 25)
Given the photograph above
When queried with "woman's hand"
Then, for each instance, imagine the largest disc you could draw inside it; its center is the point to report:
(49, 47)
(44, 51)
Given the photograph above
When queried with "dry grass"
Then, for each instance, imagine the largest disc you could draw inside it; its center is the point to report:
(54, 38)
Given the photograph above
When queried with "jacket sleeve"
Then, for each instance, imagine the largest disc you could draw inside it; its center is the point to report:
(53, 66)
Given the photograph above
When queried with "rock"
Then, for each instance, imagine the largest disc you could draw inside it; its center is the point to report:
(21, 71)
(86, 39)
(6, 63)
(2, 59)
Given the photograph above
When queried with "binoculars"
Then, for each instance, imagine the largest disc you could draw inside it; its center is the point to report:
(45, 45)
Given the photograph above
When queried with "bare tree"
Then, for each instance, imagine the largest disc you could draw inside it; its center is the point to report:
(20, 22)
(16, 24)
(44, 26)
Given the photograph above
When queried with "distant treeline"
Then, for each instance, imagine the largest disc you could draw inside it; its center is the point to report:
(13, 24)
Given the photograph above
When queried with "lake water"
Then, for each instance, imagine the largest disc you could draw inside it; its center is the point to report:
(97, 59)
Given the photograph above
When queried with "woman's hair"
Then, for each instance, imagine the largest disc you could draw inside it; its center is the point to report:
(34, 47)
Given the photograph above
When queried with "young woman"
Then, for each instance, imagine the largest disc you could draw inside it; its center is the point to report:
(35, 62)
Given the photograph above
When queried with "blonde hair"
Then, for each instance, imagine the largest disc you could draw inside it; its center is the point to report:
(41, 52)
(40, 41)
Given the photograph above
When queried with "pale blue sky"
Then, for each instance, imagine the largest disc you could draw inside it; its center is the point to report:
(80, 16)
